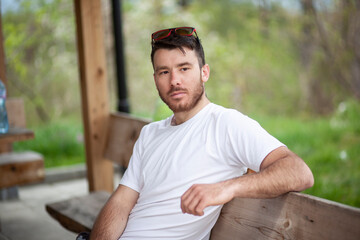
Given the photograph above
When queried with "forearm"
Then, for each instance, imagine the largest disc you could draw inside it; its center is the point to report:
(110, 223)
(281, 171)
(287, 174)
(112, 219)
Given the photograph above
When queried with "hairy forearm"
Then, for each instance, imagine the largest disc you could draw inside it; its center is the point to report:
(281, 171)
(287, 174)
(112, 219)
(110, 223)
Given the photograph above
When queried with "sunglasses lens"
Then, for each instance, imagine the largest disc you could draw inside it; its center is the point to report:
(161, 34)
(182, 31)
(186, 31)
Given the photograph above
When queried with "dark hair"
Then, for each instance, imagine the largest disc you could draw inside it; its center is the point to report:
(177, 41)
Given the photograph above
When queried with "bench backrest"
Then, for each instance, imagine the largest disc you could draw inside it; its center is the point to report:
(291, 216)
(123, 132)
(16, 112)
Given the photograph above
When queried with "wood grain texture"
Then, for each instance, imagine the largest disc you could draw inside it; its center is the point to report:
(21, 168)
(16, 134)
(16, 112)
(123, 132)
(78, 214)
(291, 216)
(94, 92)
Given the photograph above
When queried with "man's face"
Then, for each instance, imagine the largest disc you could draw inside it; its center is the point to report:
(179, 79)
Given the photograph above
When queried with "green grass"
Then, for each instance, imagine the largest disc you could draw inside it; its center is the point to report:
(329, 145)
(60, 142)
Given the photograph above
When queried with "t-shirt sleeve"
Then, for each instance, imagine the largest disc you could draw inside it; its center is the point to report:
(247, 143)
(132, 177)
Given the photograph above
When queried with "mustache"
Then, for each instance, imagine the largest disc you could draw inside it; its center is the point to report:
(174, 89)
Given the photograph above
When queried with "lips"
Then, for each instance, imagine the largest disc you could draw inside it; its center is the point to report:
(177, 93)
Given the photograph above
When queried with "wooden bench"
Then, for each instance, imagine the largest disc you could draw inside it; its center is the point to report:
(291, 216)
(17, 168)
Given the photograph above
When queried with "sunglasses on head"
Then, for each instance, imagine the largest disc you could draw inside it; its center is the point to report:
(182, 31)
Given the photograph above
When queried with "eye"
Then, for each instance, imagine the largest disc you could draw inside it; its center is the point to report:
(184, 69)
(163, 72)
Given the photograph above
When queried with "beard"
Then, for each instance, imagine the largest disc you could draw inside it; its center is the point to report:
(179, 105)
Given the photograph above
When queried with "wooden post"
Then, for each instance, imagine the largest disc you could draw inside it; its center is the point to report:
(94, 92)
(3, 147)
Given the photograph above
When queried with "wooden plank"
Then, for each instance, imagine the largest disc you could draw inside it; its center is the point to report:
(123, 132)
(21, 168)
(16, 112)
(78, 214)
(16, 117)
(15, 135)
(94, 92)
(291, 216)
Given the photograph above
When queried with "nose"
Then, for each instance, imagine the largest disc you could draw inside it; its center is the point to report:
(175, 79)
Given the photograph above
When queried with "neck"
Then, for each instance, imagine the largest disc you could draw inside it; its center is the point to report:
(181, 117)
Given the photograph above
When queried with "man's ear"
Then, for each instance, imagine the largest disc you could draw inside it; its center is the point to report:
(205, 73)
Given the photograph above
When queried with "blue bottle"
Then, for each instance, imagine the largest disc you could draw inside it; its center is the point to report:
(4, 123)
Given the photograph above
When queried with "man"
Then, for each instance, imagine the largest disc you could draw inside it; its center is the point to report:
(184, 168)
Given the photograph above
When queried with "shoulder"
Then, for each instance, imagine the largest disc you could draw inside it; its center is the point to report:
(231, 121)
(227, 115)
(155, 127)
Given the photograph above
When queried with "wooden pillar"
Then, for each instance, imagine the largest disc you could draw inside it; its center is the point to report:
(94, 92)
(3, 147)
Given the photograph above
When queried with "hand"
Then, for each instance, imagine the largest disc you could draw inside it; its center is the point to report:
(200, 196)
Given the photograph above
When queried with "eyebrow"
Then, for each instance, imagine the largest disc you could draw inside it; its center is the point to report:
(184, 64)
(178, 65)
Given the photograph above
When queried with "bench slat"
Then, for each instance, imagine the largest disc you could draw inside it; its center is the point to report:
(78, 214)
(17, 168)
(122, 135)
(291, 216)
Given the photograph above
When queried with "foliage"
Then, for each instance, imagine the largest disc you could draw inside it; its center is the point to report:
(61, 143)
(269, 62)
(330, 146)
(253, 66)
(40, 58)
(330, 53)
(263, 57)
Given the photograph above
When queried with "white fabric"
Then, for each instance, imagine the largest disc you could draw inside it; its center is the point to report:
(215, 145)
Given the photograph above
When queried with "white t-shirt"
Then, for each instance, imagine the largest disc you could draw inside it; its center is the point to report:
(215, 145)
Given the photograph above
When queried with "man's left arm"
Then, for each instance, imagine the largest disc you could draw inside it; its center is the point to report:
(281, 171)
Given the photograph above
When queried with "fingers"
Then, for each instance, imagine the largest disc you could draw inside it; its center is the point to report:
(193, 201)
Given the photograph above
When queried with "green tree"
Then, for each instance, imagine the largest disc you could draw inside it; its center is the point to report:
(41, 58)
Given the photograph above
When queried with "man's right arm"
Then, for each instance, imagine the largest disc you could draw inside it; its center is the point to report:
(112, 219)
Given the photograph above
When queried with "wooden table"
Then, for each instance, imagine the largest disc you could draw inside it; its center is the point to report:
(17, 168)
(16, 134)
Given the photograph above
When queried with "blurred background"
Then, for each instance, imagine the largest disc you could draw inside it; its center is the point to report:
(294, 66)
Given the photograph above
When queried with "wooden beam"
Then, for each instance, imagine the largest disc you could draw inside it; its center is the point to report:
(94, 92)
